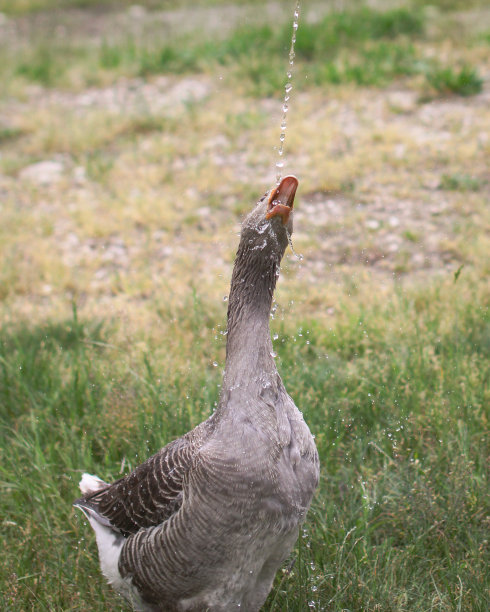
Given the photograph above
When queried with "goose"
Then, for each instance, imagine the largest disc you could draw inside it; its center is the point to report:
(206, 522)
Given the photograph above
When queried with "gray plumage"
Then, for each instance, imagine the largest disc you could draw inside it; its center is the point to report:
(206, 522)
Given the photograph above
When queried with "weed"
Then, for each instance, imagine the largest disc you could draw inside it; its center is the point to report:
(98, 164)
(167, 60)
(411, 235)
(350, 28)
(260, 76)
(374, 64)
(449, 5)
(7, 134)
(463, 82)
(113, 55)
(459, 182)
(42, 66)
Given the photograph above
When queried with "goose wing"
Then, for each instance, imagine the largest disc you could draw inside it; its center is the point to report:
(149, 495)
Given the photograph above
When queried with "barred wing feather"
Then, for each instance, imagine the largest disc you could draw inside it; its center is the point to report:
(149, 495)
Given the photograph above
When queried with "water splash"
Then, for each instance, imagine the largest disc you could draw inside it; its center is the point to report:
(290, 240)
(287, 91)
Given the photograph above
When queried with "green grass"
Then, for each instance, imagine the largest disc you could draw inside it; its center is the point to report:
(361, 46)
(463, 82)
(375, 64)
(26, 7)
(460, 182)
(8, 134)
(394, 392)
(23, 7)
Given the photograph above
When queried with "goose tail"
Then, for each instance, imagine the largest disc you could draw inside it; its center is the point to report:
(91, 484)
(109, 539)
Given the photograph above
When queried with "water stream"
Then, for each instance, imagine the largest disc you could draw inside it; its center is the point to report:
(287, 95)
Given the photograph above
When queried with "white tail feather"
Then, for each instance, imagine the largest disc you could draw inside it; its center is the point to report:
(91, 484)
(109, 544)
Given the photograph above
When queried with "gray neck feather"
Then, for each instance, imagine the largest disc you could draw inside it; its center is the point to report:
(250, 365)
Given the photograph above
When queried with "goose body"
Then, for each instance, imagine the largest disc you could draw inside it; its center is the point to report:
(205, 523)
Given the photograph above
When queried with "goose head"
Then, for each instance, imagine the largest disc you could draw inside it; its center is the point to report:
(268, 225)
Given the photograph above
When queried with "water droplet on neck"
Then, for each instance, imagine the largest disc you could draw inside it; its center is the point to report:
(290, 240)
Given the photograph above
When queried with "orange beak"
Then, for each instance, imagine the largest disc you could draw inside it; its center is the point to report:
(281, 199)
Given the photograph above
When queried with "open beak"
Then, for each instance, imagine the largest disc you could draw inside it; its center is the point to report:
(281, 199)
